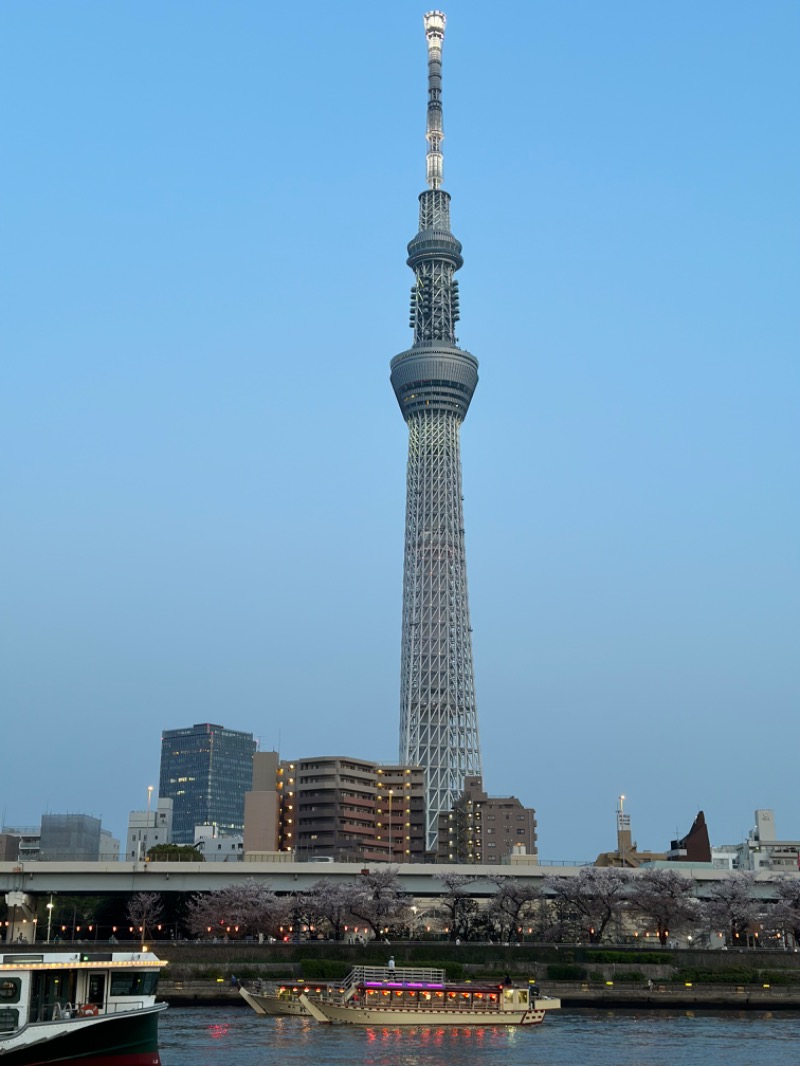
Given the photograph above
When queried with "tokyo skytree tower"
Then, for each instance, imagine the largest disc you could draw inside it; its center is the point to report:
(433, 382)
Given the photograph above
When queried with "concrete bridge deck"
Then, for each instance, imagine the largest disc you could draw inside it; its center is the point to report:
(421, 880)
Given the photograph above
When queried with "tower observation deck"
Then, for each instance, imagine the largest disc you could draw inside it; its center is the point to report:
(433, 382)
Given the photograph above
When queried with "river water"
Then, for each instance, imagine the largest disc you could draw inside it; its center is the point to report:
(236, 1036)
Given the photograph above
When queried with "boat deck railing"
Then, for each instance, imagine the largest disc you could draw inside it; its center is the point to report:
(291, 989)
(388, 975)
(61, 1012)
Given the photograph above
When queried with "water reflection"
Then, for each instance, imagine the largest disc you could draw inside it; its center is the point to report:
(221, 1036)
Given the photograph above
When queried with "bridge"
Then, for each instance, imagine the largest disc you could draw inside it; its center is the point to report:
(418, 880)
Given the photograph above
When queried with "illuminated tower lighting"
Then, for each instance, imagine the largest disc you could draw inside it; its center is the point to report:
(433, 382)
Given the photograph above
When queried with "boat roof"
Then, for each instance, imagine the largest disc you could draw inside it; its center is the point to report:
(80, 960)
(421, 986)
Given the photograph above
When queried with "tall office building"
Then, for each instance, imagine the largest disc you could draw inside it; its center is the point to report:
(205, 771)
(434, 382)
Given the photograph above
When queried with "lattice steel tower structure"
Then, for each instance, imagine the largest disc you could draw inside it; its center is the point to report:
(433, 382)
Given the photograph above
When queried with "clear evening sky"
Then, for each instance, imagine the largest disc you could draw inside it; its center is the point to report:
(205, 213)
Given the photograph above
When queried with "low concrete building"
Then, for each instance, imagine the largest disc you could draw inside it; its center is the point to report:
(70, 838)
(218, 847)
(60, 838)
(148, 828)
(761, 851)
(9, 846)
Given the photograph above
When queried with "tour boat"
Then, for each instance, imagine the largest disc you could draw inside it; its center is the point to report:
(284, 997)
(378, 995)
(97, 1008)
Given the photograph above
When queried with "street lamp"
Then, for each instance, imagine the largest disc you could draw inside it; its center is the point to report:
(391, 793)
(49, 916)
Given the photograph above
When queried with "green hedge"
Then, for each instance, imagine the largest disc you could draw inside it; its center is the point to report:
(738, 975)
(565, 971)
(639, 958)
(325, 969)
(635, 977)
(453, 970)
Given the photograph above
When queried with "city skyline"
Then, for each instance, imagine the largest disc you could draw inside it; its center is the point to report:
(202, 291)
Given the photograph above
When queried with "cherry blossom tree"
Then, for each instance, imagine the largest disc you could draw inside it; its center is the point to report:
(592, 900)
(456, 904)
(512, 905)
(144, 909)
(251, 906)
(732, 907)
(665, 900)
(378, 901)
(784, 916)
(330, 901)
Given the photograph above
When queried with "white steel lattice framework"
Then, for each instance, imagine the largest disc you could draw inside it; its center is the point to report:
(434, 382)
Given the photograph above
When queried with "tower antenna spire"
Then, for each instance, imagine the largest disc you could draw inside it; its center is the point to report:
(435, 23)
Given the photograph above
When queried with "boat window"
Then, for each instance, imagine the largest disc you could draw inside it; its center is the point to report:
(97, 988)
(9, 1019)
(9, 989)
(51, 990)
(138, 983)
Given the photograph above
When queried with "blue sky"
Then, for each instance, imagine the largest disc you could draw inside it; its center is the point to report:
(206, 208)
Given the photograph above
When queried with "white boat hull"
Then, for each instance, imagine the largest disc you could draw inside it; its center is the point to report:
(344, 1014)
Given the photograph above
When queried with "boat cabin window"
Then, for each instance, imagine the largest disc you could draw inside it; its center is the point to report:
(97, 989)
(9, 1019)
(51, 990)
(10, 990)
(515, 997)
(137, 983)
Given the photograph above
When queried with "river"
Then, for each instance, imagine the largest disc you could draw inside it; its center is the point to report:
(235, 1036)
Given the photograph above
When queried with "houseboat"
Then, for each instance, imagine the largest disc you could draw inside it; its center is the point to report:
(377, 995)
(98, 1008)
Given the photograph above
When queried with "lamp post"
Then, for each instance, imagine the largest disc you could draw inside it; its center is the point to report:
(49, 916)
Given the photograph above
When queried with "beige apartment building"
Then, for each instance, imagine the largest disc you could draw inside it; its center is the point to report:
(350, 809)
(355, 810)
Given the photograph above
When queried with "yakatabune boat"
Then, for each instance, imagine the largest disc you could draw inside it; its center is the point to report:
(377, 995)
(284, 997)
(96, 1008)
